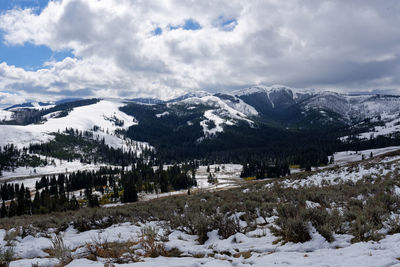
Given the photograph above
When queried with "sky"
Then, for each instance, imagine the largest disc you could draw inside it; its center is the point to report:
(51, 50)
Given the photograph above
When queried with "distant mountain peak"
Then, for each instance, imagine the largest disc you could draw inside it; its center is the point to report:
(147, 100)
(198, 93)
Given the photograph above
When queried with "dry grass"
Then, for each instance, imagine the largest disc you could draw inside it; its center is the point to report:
(149, 244)
(365, 206)
(59, 250)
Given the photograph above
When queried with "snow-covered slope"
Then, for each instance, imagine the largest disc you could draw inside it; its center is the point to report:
(344, 157)
(5, 115)
(221, 113)
(104, 115)
(294, 93)
(275, 105)
(350, 107)
(391, 125)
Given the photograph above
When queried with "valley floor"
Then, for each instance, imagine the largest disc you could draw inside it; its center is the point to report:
(168, 232)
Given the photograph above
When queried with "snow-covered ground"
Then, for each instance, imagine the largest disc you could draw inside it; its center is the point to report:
(340, 172)
(102, 114)
(228, 176)
(28, 176)
(336, 176)
(255, 248)
(344, 157)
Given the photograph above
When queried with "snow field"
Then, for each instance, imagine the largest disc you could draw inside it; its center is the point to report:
(5, 115)
(255, 248)
(102, 114)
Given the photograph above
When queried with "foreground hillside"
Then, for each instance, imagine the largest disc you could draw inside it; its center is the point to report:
(337, 216)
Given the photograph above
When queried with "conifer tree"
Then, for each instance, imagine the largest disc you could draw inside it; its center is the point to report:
(3, 210)
(12, 211)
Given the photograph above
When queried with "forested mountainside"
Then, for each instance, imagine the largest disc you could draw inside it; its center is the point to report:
(274, 124)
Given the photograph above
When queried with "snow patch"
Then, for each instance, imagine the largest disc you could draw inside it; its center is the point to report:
(165, 113)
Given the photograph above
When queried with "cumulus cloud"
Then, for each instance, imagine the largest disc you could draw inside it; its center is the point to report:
(9, 98)
(341, 45)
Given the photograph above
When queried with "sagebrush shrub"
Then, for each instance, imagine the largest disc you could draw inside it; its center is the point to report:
(292, 224)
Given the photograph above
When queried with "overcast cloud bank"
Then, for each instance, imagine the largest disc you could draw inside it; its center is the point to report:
(129, 48)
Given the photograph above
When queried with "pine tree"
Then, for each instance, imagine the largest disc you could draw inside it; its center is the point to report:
(94, 201)
(21, 200)
(115, 192)
(36, 203)
(308, 167)
(3, 210)
(163, 182)
(27, 202)
(130, 193)
(73, 203)
(12, 211)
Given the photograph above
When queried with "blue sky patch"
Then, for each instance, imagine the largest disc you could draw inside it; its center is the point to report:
(191, 25)
(27, 56)
(157, 31)
(30, 56)
(172, 27)
(36, 5)
(229, 25)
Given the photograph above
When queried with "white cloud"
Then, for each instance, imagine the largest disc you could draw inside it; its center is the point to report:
(7, 98)
(333, 44)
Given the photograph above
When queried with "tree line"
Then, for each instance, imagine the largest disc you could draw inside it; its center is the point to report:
(59, 192)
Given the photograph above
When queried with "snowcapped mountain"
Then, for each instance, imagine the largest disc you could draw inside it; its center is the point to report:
(32, 105)
(221, 111)
(253, 115)
(350, 108)
(189, 95)
(148, 101)
(41, 105)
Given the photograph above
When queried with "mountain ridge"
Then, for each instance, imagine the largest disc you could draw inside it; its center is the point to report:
(220, 121)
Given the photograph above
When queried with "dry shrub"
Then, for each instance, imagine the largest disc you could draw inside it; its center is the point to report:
(227, 226)
(266, 210)
(193, 223)
(151, 245)
(321, 220)
(394, 224)
(363, 230)
(59, 250)
(292, 224)
(6, 256)
(116, 252)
